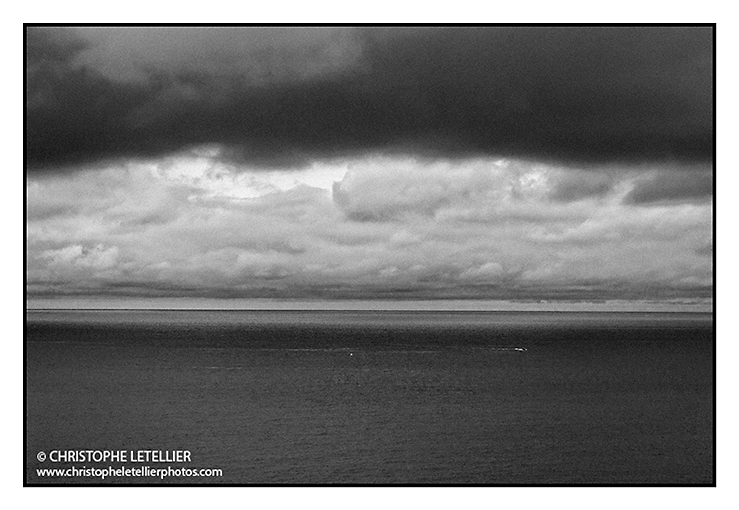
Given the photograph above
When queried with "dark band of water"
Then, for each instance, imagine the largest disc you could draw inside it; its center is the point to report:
(380, 397)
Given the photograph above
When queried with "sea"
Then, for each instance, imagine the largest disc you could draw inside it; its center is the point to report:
(369, 397)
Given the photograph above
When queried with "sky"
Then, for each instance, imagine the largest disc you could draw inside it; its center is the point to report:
(507, 164)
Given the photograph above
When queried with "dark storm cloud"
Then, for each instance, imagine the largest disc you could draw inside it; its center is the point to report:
(585, 95)
(51, 45)
(671, 186)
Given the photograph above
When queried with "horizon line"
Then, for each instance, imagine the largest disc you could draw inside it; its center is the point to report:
(448, 305)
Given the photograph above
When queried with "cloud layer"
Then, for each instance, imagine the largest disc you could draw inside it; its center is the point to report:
(286, 97)
(505, 163)
(387, 228)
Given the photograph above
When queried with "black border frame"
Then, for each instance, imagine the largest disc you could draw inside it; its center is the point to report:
(25, 267)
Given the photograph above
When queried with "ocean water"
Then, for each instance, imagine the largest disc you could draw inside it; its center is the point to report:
(289, 397)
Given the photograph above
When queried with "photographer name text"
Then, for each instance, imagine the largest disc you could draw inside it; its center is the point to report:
(169, 456)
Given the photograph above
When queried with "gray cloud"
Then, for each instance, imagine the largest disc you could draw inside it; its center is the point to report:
(474, 229)
(672, 186)
(284, 97)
